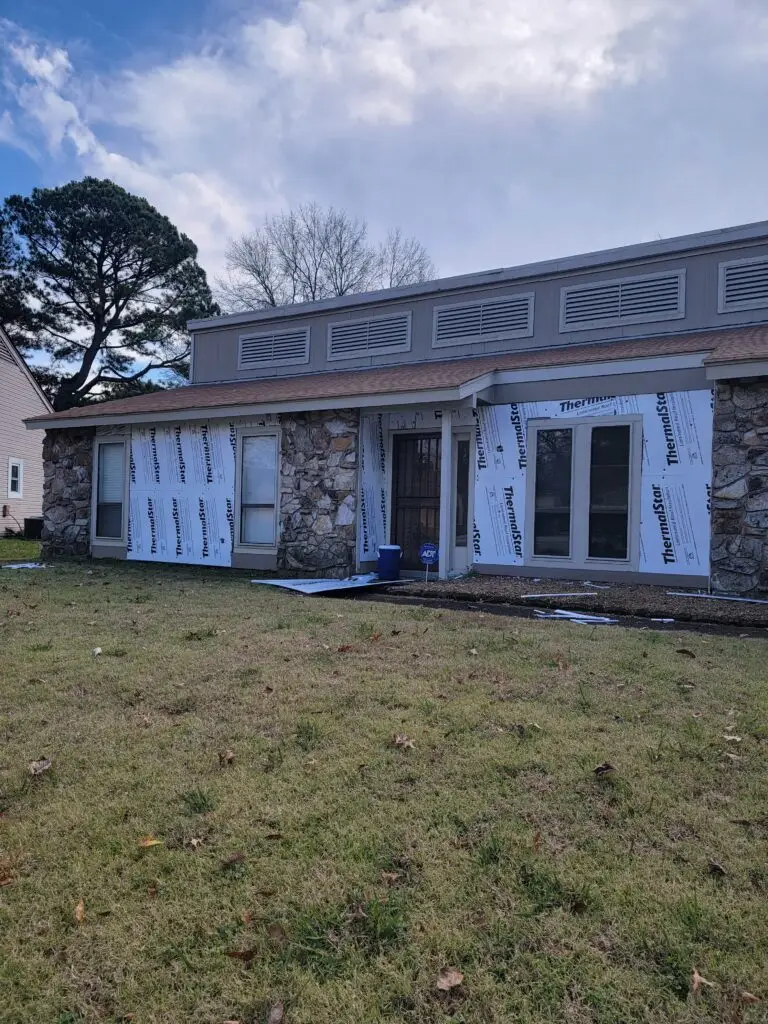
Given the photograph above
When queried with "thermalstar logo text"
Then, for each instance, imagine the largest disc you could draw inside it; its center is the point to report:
(662, 411)
(152, 526)
(482, 458)
(516, 419)
(155, 459)
(180, 455)
(177, 526)
(476, 539)
(364, 522)
(380, 447)
(129, 546)
(231, 521)
(384, 510)
(207, 454)
(203, 527)
(132, 464)
(233, 438)
(660, 511)
(517, 537)
(583, 403)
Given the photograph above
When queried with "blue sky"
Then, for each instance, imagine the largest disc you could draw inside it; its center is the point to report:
(497, 132)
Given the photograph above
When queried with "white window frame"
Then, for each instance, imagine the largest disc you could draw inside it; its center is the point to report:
(19, 464)
(242, 433)
(735, 307)
(580, 473)
(125, 441)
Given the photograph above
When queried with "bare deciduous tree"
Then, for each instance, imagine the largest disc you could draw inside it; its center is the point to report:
(311, 253)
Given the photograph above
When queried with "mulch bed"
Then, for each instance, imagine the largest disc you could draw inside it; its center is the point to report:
(620, 599)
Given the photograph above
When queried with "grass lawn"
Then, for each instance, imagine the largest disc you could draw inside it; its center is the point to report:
(19, 550)
(304, 859)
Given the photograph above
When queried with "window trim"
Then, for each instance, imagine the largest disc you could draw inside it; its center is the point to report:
(125, 441)
(16, 495)
(242, 433)
(579, 536)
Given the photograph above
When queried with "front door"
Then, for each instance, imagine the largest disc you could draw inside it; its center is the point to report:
(415, 494)
(462, 503)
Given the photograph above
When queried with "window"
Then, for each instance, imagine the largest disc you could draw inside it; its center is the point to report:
(584, 492)
(258, 489)
(15, 478)
(110, 490)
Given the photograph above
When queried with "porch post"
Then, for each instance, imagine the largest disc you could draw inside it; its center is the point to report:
(446, 492)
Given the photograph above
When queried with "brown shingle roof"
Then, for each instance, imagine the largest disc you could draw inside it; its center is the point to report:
(346, 385)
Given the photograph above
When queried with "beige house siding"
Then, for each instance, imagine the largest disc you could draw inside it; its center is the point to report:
(19, 398)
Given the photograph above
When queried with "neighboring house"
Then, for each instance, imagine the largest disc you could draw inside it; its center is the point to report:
(551, 420)
(21, 452)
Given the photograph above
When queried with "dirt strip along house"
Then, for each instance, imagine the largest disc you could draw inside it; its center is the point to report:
(603, 416)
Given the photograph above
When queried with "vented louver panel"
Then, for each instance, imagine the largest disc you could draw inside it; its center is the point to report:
(350, 339)
(279, 348)
(631, 300)
(743, 285)
(490, 320)
(5, 353)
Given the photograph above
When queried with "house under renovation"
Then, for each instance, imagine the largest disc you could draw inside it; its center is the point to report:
(602, 416)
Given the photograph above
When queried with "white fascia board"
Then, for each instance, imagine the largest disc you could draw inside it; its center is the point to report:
(609, 368)
(726, 371)
(439, 396)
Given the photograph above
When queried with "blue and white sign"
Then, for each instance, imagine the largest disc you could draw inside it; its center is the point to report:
(428, 553)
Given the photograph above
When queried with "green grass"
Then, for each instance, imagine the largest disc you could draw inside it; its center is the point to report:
(326, 868)
(19, 550)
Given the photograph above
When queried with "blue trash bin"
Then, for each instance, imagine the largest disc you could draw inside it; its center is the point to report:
(388, 565)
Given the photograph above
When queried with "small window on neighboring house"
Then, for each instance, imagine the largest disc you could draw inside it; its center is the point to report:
(110, 489)
(258, 490)
(15, 478)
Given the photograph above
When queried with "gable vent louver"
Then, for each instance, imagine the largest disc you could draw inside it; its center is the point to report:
(6, 355)
(490, 320)
(279, 348)
(743, 285)
(350, 339)
(631, 300)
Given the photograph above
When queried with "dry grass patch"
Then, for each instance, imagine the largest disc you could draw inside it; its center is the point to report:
(228, 799)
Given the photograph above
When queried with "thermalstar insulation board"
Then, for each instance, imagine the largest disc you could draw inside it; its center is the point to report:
(182, 492)
(675, 484)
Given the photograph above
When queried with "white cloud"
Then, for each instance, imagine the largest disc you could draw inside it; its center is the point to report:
(489, 128)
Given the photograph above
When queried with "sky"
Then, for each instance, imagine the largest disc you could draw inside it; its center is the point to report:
(497, 132)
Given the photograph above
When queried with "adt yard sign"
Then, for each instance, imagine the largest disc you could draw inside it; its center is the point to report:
(428, 554)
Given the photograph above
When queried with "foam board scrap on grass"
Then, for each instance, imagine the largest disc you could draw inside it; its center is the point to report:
(326, 586)
(579, 617)
(24, 565)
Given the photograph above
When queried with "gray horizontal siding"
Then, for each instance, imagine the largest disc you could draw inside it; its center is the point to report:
(18, 400)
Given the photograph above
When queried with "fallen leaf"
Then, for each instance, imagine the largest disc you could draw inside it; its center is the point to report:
(226, 757)
(716, 869)
(274, 835)
(357, 913)
(606, 768)
(697, 981)
(747, 997)
(96, 651)
(195, 842)
(269, 689)
(537, 842)
(449, 978)
(276, 1014)
(396, 632)
(374, 637)
(232, 859)
(80, 912)
(44, 764)
(731, 739)
(473, 651)
(246, 955)
(246, 917)
(344, 648)
(685, 651)
(149, 841)
(402, 741)
(390, 877)
(152, 892)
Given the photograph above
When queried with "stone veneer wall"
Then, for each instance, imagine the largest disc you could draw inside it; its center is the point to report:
(318, 492)
(67, 469)
(739, 550)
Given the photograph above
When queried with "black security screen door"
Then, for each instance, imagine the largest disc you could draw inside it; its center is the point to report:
(415, 494)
